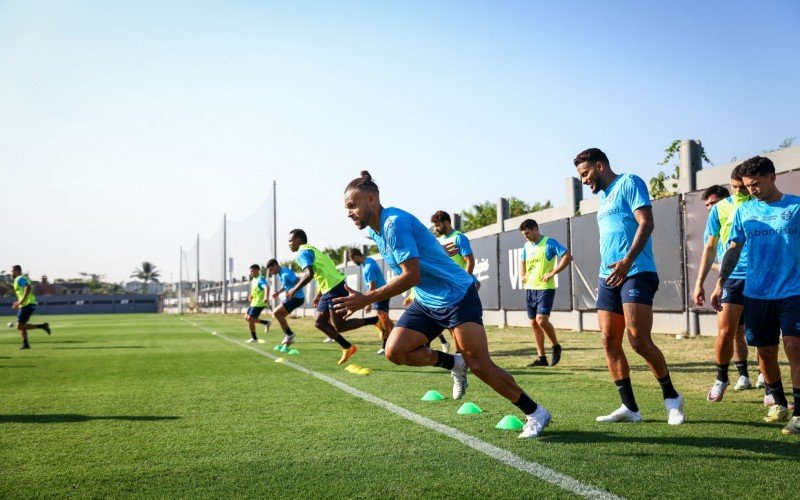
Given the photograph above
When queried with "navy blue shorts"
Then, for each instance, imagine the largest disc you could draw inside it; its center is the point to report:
(432, 322)
(326, 301)
(293, 303)
(637, 289)
(539, 302)
(383, 305)
(765, 319)
(733, 292)
(24, 313)
(254, 312)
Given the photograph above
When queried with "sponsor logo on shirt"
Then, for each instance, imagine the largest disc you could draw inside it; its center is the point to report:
(786, 214)
(751, 233)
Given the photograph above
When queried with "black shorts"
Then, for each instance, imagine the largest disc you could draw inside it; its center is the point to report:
(637, 289)
(254, 312)
(432, 322)
(293, 303)
(539, 302)
(382, 305)
(326, 301)
(765, 319)
(24, 313)
(733, 292)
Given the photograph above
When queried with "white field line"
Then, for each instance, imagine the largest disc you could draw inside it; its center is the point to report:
(537, 470)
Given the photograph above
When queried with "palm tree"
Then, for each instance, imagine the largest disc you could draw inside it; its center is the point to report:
(147, 272)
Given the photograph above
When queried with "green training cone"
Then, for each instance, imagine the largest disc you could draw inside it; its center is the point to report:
(510, 423)
(432, 396)
(469, 408)
(284, 348)
(277, 348)
(294, 352)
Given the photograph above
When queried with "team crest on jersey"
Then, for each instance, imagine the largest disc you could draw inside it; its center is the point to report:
(786, 214)
(633, 292)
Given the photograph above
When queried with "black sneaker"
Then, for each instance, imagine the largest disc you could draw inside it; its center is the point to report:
(556, 354)
(540, 362)
(25, 346)
(46, 327)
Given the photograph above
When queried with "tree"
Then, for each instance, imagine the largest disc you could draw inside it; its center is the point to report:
(485, 213)
(663, 185)
(95, 282)
(147, 272)
(787, 143)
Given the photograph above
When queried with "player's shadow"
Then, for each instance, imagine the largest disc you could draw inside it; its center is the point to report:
(66, 342)
(106, 347)
(737, 444)
(61, 418)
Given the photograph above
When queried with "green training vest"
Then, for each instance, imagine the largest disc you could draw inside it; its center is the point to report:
(536, 266)
(258, 295)
(325, 272)
(20, 291)
(457, 258)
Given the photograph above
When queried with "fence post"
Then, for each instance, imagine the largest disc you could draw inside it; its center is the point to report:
(502, 213)
(690, 163)
(574, 195)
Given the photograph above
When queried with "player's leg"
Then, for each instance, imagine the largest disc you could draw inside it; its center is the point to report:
(612, 328)
(762, 330)
(475, 350)
(544, 306)
(536, 330)
(727, 327)
(740, 355)
(790, 327)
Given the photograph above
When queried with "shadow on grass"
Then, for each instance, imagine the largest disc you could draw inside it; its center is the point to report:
(762, 446)
(74, 417)
(66, 342)
(109, 347)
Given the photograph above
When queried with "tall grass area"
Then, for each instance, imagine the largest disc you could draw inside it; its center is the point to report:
(155, 406)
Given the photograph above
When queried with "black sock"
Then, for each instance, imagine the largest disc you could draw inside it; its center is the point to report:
(264, 321)
(722, 373)
(626, 393)
(288, 331)
(796, 395)
(253, 334)
(444, 340)
(741, 367)
(444, 360)
(667, 389)
(372, 320)
(342, 342)
(526, 404)
(767, 390)
(776, 390)
(384, 344)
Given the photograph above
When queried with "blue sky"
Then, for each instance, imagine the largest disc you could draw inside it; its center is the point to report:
(128, 127)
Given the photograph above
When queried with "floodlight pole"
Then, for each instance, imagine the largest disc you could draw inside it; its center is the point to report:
(274, 220)
(224, 263)
(197, 276)
(180, 283)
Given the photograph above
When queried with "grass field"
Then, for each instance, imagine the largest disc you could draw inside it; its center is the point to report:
(156, 406)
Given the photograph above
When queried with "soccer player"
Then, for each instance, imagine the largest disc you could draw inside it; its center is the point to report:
(714, 194)
(538, 268)
(288, 279)
(258, 301)
(627, 283)
(767, 228)
(373, 278)
(330, 284)
(25, 306)
(444, 298)
(730, 322)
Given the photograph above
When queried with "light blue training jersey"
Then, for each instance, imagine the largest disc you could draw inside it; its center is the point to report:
(769, 232)
(402, 237)
(289, 279)
(714, 228)
(371, 271)
(618, 226)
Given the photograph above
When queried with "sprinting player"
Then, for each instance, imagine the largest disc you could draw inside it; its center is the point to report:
(628, 282)
(538, 269)
(330, 284)
(730, 340)
(25, 306)
(288, 279)
(767, 228)
(373, 278)
(258, 301)
(444, 298)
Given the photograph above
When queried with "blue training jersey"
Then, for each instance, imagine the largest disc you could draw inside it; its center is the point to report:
(402, 237)
(371, 271)
(618, 225)
(713, 229)
(289, 279)
(769, 232)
